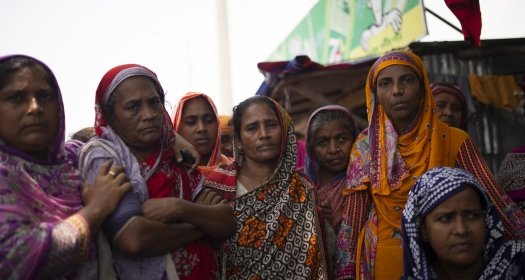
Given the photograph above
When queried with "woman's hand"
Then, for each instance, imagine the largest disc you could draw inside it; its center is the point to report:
(110, 184)
(163, 210)
(207, 197)
(183, 144)
(326, 209)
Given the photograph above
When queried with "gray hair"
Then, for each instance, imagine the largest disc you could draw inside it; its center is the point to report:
(328, 115)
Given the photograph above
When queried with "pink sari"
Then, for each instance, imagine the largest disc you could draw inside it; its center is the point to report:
(40, 237)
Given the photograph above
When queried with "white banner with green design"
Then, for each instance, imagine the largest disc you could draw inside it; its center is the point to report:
(342, 30)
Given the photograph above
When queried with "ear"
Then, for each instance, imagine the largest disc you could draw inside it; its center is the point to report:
(237, 142)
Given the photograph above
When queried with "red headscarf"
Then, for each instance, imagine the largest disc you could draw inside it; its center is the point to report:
(113, 78)
(158, 178)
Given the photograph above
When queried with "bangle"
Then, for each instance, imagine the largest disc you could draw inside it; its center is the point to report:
(84, 234)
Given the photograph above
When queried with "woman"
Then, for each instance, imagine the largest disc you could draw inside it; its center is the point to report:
(404, 139)
(45, 232)
(197, 121)
(278, 233)
(330, 134)
(452, 231)
(158, 217)
(226, 132)
(511, 175)
(451, 105)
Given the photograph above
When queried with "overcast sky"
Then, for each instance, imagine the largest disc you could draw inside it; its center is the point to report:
(81, 40)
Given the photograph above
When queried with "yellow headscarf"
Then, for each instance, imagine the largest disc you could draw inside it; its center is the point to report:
(385, 160)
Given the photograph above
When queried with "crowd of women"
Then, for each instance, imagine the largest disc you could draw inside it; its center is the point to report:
(203, 196)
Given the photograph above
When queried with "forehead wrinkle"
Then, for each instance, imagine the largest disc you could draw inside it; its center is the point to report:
(260, 121)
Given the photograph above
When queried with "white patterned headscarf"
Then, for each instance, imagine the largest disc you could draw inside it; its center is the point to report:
(502, 258)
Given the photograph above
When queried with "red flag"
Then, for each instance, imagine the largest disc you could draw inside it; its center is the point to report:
(469, 15)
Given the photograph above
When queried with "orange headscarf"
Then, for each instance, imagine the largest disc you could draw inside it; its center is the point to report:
(225, 124)
(216, 156)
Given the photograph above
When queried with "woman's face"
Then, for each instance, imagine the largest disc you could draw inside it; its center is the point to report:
(331, 145)
(448, 107)
(199, 126)
(260, 137)
(227, 144)
(28, 112)
(456, 229)
(138, 114)
(400, 93)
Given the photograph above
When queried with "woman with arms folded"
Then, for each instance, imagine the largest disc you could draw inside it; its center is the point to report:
(158, 217)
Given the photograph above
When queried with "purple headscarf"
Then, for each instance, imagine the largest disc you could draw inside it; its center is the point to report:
(35, 195)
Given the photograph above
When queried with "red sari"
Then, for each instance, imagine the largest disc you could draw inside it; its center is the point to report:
(197, 259)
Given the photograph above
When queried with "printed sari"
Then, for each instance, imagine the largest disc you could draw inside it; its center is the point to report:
(278, 231)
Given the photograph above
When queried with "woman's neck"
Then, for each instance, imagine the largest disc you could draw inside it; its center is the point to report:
(142, 154)
(204, 160)
(326, 176)
(447, 271)
(253, 174)
(404, 127)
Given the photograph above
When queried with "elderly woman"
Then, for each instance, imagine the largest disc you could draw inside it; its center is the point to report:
(278, 231)
(197, 121)
(330, 133)
(158, 217)
(45, 232)
(451, 105)
(451, 230)
(404, 139)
